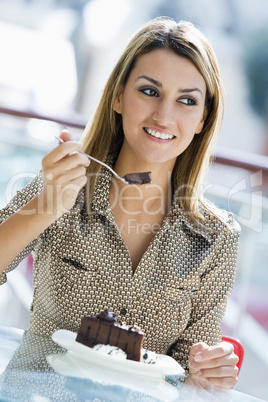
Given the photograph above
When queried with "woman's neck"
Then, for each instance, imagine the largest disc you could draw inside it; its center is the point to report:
(154, 198)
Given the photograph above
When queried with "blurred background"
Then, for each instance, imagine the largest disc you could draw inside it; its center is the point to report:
(55, 58)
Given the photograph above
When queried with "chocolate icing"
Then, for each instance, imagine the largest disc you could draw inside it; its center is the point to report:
(104, 329)
(107, 316)
(138, 178)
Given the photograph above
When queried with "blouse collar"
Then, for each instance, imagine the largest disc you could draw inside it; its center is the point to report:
(177, 217)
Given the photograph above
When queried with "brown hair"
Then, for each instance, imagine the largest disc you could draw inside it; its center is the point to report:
(104, 134)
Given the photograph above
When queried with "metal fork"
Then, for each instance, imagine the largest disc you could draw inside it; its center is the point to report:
(129, 178)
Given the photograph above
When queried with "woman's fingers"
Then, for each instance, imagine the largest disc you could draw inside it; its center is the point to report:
(72, 174)
(221, 371)
(66, 164)
(63, 158)
(216, 364)
(65, 135)
(195, 350)
(222, 382)
(213, 352)
(62, 151)
(198, 348)
(226, 360)
(64, 170)
(217, 354)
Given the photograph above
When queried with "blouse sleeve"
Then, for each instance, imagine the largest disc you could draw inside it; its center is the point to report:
(18, 201)
(209, 304)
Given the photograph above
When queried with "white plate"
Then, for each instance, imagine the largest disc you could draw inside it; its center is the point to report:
(165, 365)
(155, 387)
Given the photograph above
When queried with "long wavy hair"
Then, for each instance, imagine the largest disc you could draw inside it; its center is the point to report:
(104, 134)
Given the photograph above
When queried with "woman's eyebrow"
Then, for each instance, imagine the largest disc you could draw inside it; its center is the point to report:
(154, 82)
(186, 90)
(159, 85)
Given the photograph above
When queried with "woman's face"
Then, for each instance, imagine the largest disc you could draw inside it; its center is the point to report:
(162, 107)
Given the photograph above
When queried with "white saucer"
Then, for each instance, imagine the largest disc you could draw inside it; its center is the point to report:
(164, 365)
(84, 362)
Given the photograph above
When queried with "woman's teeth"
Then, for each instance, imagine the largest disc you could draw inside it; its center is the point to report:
(156, 134)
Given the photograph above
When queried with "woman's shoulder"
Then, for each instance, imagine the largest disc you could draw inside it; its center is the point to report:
(219, 217)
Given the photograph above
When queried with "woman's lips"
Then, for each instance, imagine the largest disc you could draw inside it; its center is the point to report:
(158, 136)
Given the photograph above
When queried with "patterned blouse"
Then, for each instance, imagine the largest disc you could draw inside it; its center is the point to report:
(177, 294)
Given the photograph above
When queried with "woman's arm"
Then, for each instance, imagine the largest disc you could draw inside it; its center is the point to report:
(20, 229)
(202, 333)
(64, 171)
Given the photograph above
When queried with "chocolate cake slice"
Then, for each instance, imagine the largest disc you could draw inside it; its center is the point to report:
(104, 329)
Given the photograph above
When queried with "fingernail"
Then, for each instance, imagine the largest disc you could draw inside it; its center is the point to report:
(192, 364)
(198, 357)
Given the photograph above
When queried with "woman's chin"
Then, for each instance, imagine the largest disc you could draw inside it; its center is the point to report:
(159, 161)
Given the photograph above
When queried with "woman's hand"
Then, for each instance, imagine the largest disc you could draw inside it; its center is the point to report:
(215, 364)
(64, 170)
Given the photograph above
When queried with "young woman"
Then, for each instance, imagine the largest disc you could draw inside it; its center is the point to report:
(159, 254)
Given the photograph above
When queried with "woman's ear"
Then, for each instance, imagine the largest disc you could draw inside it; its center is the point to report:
(201, 124)
(118, 103)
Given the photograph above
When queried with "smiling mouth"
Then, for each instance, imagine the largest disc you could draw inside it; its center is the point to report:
(157, 134)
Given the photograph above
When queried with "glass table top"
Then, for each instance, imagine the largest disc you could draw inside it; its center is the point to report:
(26, 375)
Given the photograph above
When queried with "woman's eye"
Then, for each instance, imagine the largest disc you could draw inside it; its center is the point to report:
(149, 91)
(189, 101)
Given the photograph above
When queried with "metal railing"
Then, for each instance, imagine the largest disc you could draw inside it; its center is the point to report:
(225, 156)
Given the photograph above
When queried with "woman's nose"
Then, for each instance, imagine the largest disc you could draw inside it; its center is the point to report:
(164, 113)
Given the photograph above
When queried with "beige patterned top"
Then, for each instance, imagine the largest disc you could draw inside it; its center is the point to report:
(177, 294)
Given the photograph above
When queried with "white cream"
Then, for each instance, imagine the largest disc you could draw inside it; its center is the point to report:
(148, 357)
(110, 350)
